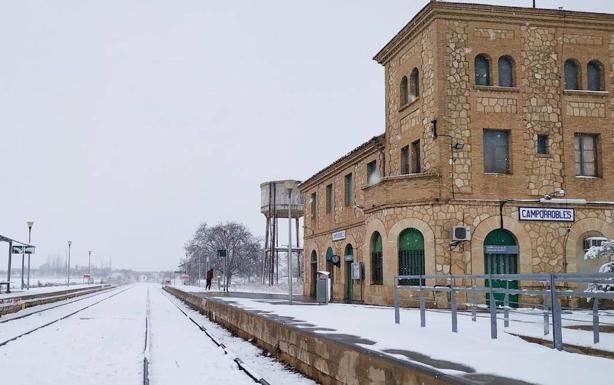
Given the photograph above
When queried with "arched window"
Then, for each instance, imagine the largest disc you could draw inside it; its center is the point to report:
(411, 255)
(329, 267)
(594, 74)
(572, 75)
(506, 71)
(377, 269)
(482, 70)
(404, 91)
(415, 82)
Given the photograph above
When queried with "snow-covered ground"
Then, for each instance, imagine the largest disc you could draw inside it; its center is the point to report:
(247, 287)
(104, 344)
(39, 290)
(507, 356)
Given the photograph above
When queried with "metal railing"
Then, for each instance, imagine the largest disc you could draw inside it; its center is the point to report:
(548, 289)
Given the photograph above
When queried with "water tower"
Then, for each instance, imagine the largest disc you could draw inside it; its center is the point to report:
(279, 201)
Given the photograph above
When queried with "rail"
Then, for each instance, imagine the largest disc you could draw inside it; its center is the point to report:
(498, 290)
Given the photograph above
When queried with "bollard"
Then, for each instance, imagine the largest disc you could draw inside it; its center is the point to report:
(546, 317)
(453, 308)
(596, 320)
(474, 305)
(395, 293)
(493, 312)
(422, 306)
(506, 305)
(557, 336)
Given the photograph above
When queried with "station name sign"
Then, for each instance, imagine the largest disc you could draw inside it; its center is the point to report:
(546, 214)
(339, 235)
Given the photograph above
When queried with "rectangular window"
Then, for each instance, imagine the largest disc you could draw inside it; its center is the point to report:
(416, 162)
(348, 190)
(329, 198)
(586, 155)
(405, 160)
(496, 152)
(372, 172)
(542, 144)
(313, 205)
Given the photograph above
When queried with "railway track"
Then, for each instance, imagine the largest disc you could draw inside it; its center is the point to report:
(146, 355)
(257, 378)
(68, 302)
(3, 343)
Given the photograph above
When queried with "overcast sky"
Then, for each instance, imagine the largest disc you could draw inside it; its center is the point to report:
(125, 124)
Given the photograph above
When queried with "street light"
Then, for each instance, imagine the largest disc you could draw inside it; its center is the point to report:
(89, 266)
(68, 272)
(30, 224)
(225, 280)
(290, 184)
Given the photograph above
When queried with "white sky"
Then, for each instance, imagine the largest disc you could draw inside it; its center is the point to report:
(127, 123)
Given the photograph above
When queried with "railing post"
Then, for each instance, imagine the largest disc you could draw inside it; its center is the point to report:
(493, 312)
(422, 306)
(453, 308)
(506, 305)
(395, 295)
(546, 316)
(596, 320)
(474, 300)
(557, 336)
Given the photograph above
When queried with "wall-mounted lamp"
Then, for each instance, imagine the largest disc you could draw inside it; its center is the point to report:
(458, 146)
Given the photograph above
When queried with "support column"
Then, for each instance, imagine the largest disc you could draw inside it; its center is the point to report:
(8, 270)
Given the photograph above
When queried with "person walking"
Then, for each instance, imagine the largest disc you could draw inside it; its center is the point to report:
(209, 279)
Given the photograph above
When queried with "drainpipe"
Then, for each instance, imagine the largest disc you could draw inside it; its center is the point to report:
(501, 204)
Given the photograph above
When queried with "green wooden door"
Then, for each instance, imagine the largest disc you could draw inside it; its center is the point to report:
(411, 255)
(501, 257)
(349, 252)
(314, 272)
(377, 265)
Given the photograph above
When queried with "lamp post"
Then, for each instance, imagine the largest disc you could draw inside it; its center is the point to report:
(290, 184)
(68, 270)
(89, 265)
(225, 280)
(30, 224)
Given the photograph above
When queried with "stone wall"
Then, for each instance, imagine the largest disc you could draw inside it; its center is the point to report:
(545, 247)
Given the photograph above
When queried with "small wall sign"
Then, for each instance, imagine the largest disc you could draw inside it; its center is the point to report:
(339, 235)
(546, 214)
(500, 249)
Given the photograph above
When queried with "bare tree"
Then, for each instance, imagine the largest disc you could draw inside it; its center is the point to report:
(242, 249)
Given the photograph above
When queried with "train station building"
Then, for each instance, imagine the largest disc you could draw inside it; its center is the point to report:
(497, 155)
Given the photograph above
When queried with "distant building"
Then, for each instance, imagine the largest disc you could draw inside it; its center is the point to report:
(498, 154)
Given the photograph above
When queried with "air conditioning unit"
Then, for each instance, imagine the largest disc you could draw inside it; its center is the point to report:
(460, 233)
(593, 241)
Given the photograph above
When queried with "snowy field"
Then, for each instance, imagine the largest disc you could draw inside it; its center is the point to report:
(471, 347)
(103, 343)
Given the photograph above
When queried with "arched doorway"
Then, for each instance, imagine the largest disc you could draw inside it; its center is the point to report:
(314, 272)
(348, 257)
(501, 257)
(329, 268)
(411, 255)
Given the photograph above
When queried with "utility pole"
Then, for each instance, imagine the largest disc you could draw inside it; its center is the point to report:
(68, 271)
(89, 265)
(30, 224)
(199, 269)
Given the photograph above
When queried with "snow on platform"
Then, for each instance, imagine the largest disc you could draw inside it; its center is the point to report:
(17, 292)
(470, 353)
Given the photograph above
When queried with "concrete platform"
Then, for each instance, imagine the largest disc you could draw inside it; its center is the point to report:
(333, 357)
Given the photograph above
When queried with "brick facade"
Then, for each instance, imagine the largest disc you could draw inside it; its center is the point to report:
(452, 187)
